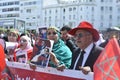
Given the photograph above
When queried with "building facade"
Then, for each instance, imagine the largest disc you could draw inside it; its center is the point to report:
(35, 13)
(101, 13)
(27, 13)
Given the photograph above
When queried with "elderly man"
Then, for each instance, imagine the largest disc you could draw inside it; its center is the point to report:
(87, 52)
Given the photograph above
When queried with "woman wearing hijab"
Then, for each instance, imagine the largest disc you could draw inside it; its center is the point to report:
(24, 52)
(61, 54)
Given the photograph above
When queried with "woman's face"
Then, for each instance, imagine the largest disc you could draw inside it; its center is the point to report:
(23, 43)
(52, 35)
(12, 37)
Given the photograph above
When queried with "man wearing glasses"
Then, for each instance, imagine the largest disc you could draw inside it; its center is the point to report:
(87, 52)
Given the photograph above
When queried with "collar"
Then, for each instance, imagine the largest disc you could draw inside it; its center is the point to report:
(89, 48)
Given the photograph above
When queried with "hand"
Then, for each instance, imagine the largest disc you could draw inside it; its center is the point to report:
(85, 70)
(32, 66)
(53, 58)
(61, 67)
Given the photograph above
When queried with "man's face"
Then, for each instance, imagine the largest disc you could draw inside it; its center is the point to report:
(64, 34)
(83, 38)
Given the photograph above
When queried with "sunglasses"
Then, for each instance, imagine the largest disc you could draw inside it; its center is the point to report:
(23, 41)
(53, 33)
(80, 35)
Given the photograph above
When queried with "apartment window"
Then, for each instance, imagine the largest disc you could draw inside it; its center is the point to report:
(111, 0)
(64, 10)
(34, 2)
(45, 19)
(21, 11)
(17, 3)
(28, 10)
(16, 9)
(102, 0)
(93, 9)
(56, 11)
(102, 17)
(110, 17)
(110, 8)
(81, 8)
(74, 8)
(110, 24)
(102, 8)
(70, 9)
(49, 11)
(55, 17)
(63, 17)
(49, 18)
(45, 12)
(101, 25)
(30, 24)
(90, 0)
(74, 17)
(69, 17)
(21, 4)
(27, 18)
(80, 17)
(33, 17)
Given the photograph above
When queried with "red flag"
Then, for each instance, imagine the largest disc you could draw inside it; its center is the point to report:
(2, 59)
(107, 66)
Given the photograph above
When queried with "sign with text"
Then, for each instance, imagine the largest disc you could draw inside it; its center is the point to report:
(22, 71)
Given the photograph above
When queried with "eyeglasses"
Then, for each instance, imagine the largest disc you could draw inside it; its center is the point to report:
(23, 41)
(80, 35)
(49, 33)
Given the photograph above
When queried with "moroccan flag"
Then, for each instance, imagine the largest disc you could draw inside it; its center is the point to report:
(2, 58)
(107, 66)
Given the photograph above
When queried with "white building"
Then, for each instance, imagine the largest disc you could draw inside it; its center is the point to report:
(101, 13)
(35, 13)
(9, 11)
(31, 12)
(28, 11)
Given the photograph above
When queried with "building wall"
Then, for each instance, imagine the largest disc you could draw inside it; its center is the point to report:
(101, 13)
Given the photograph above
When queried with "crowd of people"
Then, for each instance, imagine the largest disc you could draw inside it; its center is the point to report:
(75, 49)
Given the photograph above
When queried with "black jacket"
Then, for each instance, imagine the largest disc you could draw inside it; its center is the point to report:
(94, 53)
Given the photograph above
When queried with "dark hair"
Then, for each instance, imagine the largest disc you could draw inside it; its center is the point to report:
(66, 27)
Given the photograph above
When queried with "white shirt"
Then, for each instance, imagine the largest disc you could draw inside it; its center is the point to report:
(87, 52)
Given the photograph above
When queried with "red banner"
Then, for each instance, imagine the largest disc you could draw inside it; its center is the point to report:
(22, 71)
(107, 66)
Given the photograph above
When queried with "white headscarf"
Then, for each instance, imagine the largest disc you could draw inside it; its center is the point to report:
(29, 46)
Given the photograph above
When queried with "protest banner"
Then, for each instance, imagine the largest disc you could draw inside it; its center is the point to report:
(22, 71)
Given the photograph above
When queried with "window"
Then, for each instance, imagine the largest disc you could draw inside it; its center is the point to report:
(102, 0)
(69, 17)
(70, 9)
(63, 17)
(110, 17)
(28, 10)
(102, 8)
(56, 11)
(74, 8)
(49, 11)
(64, 10)
(74, 17)
(110, 8)
(92, 8)
(45, 12)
